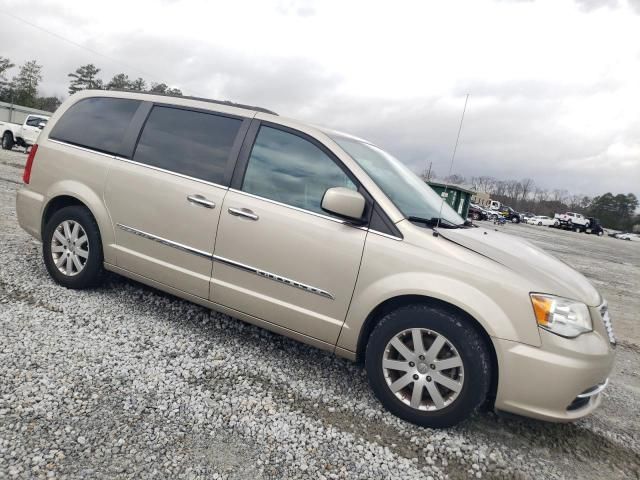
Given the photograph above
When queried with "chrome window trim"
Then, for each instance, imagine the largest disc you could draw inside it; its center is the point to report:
(315, 214)
(133, 162)
(274, 277)
(181, 175)
(386, 235)
(164, 241)
(84, 149)
(275, 202)
(187, 177)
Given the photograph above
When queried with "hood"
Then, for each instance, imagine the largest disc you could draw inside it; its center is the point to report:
(547, 273)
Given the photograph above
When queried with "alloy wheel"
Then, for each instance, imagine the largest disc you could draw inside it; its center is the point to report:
(70, 248)
(423, 369)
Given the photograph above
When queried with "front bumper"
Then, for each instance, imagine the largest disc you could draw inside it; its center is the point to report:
(560, 381)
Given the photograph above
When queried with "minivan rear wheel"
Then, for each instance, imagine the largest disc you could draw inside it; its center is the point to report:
(428, 365)
(72, 248)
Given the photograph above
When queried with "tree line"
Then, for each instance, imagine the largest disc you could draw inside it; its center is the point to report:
(86, 77)
(616, 211)
(22, 88)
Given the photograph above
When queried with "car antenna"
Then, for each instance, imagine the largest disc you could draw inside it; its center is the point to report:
(453, 156)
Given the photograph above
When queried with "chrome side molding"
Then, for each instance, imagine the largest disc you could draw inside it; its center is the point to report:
(274, 277)
(164, 241)
(232, 263)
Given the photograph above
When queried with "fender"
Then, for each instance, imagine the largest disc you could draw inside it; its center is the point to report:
(93, 201)
(517, 325)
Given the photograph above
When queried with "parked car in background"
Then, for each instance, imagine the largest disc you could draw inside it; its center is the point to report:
(23, 135)
(320, 236)
(631, 237)
(594, 228)
(510, 214)
(527, 215)
(590, 225)
(573, 219)
(541, 220)
(477, 213)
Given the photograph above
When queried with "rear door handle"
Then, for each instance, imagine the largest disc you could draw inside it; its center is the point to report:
(200, 200)
(243, 212)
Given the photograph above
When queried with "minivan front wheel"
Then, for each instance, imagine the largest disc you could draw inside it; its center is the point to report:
(428, 366)
(72, 248)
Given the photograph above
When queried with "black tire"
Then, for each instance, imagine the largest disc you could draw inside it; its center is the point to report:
(7, 141)
(515, 220)
(539, 224)
(93, 272)
(466, 340)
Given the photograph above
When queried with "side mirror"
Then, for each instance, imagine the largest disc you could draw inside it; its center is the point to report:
(344, 202)
(41, 125)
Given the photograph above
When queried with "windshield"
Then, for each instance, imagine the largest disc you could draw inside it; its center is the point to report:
(412, 196)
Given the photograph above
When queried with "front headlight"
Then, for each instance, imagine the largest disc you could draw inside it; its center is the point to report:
(562, 316)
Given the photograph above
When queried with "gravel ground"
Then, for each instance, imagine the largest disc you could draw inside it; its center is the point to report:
(126, 381)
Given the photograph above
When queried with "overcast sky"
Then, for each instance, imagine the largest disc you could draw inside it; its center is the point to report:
(554, 85)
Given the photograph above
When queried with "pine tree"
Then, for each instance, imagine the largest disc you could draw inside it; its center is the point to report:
(119, 82)
(25, 84)
(138, 85)
(85, 77)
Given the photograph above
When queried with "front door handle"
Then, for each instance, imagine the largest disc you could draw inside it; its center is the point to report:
(243, 212)
(200, 200)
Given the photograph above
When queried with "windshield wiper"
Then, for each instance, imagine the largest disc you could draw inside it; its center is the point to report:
(432, 222)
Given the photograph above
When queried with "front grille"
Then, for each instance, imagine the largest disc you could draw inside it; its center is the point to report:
(606, 319)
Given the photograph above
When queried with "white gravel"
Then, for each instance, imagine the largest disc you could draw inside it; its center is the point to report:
(125, 381)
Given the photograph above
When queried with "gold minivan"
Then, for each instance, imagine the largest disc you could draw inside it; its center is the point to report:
(320, 236)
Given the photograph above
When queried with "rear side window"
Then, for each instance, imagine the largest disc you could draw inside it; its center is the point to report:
(97, 123)
(190, 143)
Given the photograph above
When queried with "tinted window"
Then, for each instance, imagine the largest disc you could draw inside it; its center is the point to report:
(97, 123)
(187, 142)
(35, 121)
(291, 170)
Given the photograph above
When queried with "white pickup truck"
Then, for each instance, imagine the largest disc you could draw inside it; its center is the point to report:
(572, 219)
(23, 135)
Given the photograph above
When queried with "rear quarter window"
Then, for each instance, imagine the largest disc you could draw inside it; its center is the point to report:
(98, 123)
(191, 143)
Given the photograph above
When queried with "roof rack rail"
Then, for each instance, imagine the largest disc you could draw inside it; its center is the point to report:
(201, 99)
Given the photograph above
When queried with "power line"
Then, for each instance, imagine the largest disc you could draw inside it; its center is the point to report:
(79, 45)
